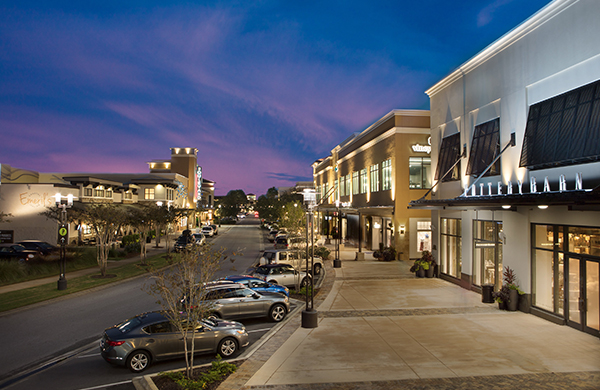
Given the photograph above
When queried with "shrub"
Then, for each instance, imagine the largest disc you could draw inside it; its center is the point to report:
(385, 254)
(130, 239)
(322, 252)
(133, 248)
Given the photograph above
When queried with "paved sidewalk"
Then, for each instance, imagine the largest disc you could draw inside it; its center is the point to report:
(380, 328)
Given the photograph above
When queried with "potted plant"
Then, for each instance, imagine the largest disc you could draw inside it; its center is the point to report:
(428, 263)
(501, 296)
(510, 281)
(418, 269)
(508, 296)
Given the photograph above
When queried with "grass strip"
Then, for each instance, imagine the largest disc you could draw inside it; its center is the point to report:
(15, 299)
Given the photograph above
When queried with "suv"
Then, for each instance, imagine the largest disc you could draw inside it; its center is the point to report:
(294, 257)
(41, 246)
(282, 242)
(233, 300)
(215, 229)
(184, 243)
(283, 274)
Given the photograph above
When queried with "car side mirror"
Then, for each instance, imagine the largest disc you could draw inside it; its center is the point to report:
(255, 296)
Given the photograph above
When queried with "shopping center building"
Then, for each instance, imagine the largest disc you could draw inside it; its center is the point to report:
(365, 184)
(176, 182)
(515, 136)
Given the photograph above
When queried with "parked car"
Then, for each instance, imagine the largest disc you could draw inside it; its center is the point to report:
(200, 239)
(272, 234)
(283, 274)
(184, 243)
(208, 231)
(257, 284)
(145, 338)
(41, 246)
(233, 300)
(19, 253)
(294, 257)
(215, 229)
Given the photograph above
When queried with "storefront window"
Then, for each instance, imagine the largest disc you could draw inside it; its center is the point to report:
(584, 240)
(424, 236)
(419, 172)
(487, 256)
(451, 247)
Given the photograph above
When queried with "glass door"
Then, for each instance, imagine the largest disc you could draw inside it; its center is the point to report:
(584, 295)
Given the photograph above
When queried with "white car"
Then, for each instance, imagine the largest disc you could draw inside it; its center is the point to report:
(296, 258)
(208, 231)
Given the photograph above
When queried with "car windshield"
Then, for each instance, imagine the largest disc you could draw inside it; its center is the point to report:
(129, 324)
(45, 245)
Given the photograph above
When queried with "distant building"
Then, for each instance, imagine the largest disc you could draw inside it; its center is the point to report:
(25, 194)
(370, 178)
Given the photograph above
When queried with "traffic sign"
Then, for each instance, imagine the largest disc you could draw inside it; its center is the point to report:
(63, 233)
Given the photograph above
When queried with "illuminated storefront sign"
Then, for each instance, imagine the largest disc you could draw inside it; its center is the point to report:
(198, 182)
(490, 190)
(422, 148)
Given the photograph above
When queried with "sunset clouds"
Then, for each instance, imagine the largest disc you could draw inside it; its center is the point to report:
(261, 90)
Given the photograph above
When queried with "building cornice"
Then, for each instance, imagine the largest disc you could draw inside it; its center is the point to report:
(532, 23)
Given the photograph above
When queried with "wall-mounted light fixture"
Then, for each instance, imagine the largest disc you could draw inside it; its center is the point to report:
(542, 206)
(402, 230)
(506, 206)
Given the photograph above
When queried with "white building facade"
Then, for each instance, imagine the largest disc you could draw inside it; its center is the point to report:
(516, 144)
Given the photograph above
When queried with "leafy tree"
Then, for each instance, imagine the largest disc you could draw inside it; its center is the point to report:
(293, 218)
(186, 279)
(232, 203)
(141, 217)
(105, 219)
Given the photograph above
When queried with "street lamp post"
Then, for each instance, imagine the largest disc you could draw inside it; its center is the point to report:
(63, 236)
(309, 314)
(337, 262)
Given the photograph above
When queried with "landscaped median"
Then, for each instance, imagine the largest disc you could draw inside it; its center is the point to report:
(15, 299)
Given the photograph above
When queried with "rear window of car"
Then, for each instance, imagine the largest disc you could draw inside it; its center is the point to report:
(129, 324)
(269, 255)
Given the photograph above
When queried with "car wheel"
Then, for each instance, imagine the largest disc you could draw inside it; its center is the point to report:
(214, 316)
(138, 361)
(317, 269)
(227, 347)
(273, 281)
(277, 313)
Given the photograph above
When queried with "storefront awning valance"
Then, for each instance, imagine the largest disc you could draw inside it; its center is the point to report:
(575, 200)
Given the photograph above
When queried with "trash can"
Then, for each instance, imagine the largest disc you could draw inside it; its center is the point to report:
(486, 293)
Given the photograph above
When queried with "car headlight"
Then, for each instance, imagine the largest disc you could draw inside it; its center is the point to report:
(241, 331)
(30, 256)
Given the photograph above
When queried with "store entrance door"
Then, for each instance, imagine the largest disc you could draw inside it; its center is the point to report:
(583, 294)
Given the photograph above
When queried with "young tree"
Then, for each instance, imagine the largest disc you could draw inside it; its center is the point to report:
(141, 216)
(293, 218)
(185, 280)
(105, 219)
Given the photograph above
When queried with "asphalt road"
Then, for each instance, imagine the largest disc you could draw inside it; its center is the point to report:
(33, 338)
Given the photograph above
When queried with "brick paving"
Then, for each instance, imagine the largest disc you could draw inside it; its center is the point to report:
(238, 380)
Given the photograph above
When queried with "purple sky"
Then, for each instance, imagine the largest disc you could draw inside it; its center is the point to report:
(261, 88)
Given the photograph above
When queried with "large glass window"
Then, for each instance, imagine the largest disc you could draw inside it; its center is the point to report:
(355, 182)
(342, 187)
(348, 186)
(487, 253)
(87, 192)
(419, 172)
(375, 178)
(548, 268)
(451, 247)
(450, 153)
(485, 148)
(386, 171)
(563, 130)
(364, 184)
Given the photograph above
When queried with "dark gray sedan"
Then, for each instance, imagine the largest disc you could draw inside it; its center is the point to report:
(233, 300)
(149, 337)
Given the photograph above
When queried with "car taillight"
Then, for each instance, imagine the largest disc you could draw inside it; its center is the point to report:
(114, 343)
